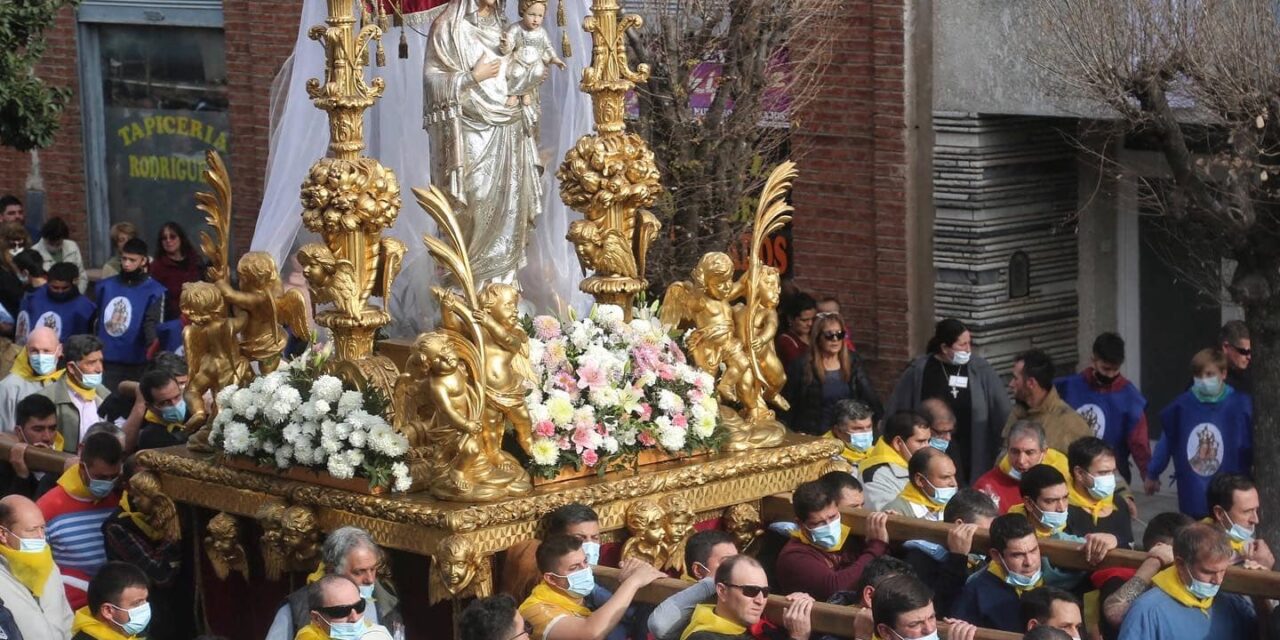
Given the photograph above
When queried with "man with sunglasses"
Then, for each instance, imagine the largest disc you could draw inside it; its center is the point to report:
(1236, 345)
(561, 606)
(742, 590)
(337, 612)
(703, 554)
(87, 494)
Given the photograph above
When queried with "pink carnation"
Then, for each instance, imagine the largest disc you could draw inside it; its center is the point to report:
(590, 458)
(646, 411)
(680, 421)
(545, 428)
(667, 373)
(645, 439)
(563, 443)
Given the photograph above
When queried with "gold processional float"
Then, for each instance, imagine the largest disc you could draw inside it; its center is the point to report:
(443, 484)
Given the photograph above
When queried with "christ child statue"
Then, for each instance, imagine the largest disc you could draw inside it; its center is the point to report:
(530, 52)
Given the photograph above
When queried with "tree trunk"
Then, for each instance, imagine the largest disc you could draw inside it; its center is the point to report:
(1263, 319)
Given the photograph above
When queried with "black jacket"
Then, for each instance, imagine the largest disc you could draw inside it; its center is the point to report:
(805, 396)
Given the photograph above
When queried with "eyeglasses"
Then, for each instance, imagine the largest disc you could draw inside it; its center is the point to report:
(750, 590)
(527, 632)
(833, 335)
(1244, 352)
(169, 237)
(341, 610)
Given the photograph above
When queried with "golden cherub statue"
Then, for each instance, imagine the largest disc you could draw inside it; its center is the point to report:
(506, 362)
(300, 538)
(267, 306)
(465, 380)
(644, 520)
(458, 571)
(212, 349)
(274, 557)
(148, 499)
(677, 525)
(222, 545)
(730, 342)
(742, 521)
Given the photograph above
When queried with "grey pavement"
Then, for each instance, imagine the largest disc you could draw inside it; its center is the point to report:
(1166, 499)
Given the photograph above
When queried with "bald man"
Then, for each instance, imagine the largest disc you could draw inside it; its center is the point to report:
(35, 368)
(30, 584)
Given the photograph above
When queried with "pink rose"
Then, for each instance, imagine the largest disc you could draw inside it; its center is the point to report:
(545, 428)
(590, 458)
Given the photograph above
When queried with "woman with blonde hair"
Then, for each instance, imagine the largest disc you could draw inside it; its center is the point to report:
(827, 374)
(121, 232)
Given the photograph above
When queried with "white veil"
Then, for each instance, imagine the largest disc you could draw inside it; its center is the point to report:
(394, 135)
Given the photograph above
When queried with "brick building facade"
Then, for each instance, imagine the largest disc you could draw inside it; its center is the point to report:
(862, 229)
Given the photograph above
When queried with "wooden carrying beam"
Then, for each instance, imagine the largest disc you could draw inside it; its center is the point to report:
(37, 458)
(826, 619)
(1065, 555)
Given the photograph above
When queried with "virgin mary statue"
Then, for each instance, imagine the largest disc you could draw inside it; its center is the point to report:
(483, 154)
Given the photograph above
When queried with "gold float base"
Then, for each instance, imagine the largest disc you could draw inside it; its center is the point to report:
(416, 522)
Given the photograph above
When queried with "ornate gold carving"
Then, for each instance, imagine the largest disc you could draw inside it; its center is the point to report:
(735, 343)
(648, 535)
(147, 498)
(222, 545)
(720, 481)
(212, 349)
(744, 523)
(268, 308)
(290, 539)
(677, 524)
(349, 200)
(836, 464)
(459, 571)
(465, 380)
(610, 176)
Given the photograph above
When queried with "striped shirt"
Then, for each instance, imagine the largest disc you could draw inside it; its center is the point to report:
(73, 527)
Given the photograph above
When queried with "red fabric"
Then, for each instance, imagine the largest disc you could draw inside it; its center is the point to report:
(1101, 576)
(409, 6)
(173, 275)
(1139, 438)
(789, 348)
(805, 568)
(998, 483)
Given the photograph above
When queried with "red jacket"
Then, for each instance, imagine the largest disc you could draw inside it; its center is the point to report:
(999, 485)
(805, 568)
(173, 275)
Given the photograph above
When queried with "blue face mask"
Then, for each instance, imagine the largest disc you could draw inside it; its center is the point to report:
(30, 545)
(346, 630)
(1202, 590)
(1207, 387)
(366, 591)
(1053, 520)
(1014, 473)
(592, 549)
(581, 582)
(98, 487)
(1020, 581)
(826, 536)
(862, 440)
(941, 495)
(1104, 486)
(1239, 533)
(960, 357)
(940, 444)
(139, 618)
(176, 413)
(43, 363)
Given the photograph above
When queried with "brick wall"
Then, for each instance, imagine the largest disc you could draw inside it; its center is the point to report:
(62, 164)
(260, 35)
(854, 225)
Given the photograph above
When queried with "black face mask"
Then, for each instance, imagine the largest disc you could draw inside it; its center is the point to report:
(1104, 381)
(64, 296)
(133, 277)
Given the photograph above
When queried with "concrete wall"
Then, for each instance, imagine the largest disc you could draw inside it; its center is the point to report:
(983, 58)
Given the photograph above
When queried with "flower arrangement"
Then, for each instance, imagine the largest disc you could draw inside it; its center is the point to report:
(606, 389)
(300, 416)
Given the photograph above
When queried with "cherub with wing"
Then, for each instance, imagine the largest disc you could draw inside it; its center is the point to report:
(267, 306)
(211, 347)
(331, 279)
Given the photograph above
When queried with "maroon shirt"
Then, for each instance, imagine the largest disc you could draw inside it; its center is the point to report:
(173, 274)
(806, 568)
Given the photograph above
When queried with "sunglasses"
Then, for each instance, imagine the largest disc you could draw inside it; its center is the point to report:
(341, 610)
(750, 590)
(527, 632)
(1244, 352)
(834, 335)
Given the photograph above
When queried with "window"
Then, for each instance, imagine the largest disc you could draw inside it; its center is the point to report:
(1019, 275)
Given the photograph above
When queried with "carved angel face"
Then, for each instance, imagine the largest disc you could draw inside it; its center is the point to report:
(457, 568)
(648, 525)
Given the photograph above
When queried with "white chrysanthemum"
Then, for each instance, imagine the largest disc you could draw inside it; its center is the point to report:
(292, 433)
(604, 397)
(544, 451)
(403, 480)
(269, 446)
(236, 438)
(330, 445)
(355, 457)
(241, 400)
(671, 438)
(304, 455)
(284, 457)
(586, 414)
(626, 436)
(669, 402)
(581, 336)
(539, 412)
(560, 407)
(648, 379)
(269, 384)
(610, 444)
(307, 411)
(704, 427)
(609, 315)
(289, 396)
(224, 395)
(322, 407)
(536, 350)
(400, 470)
(379, 439)
(339, 468)
(327, 388)
(349, 401)
(356, 438)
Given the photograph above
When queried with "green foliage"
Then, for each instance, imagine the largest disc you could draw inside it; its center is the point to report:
(29, 108)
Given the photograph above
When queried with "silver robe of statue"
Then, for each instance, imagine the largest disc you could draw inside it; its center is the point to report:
(483, 153)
